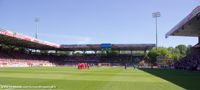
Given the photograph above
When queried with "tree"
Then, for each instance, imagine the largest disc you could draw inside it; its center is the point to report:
(159, 52)
(182, 49)
(188, 49)
(175, 53)
(152, 56)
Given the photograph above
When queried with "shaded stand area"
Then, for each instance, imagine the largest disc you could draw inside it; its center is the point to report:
(185, 79)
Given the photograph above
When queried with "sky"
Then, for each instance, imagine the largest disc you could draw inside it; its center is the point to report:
(97, 21)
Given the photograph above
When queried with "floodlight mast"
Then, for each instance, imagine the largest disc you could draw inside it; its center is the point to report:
(156, 15)
(37, 24)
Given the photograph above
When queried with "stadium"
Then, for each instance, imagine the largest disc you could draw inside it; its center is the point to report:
(16, 47)
(27, 63)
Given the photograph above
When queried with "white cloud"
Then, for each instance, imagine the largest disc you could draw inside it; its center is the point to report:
(69, 38)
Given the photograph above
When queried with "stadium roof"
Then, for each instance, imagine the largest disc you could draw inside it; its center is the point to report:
(111, 46)
(16, 39)
(189, 26)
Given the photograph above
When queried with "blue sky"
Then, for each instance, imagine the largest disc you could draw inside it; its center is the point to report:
(97, 21)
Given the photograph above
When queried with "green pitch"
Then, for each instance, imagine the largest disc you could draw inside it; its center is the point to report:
(65, 78)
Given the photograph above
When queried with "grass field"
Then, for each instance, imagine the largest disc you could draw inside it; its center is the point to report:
(65, 78)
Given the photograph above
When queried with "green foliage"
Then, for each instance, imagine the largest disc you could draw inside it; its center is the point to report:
(182, 49)
(176, 53)
(154, 53)
(189, 49)
(63, 53)
(152, 56)
(113, 52)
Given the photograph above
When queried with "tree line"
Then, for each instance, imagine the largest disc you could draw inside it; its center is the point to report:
(169, 53)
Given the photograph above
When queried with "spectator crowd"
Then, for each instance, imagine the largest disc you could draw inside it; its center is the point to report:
(190, 62)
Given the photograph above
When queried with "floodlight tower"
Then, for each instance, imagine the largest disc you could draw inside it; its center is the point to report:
(37, 24)
(156, 15)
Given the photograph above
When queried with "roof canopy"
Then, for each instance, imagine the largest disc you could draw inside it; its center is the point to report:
(189, 26)
(16, 39)
(112, 46)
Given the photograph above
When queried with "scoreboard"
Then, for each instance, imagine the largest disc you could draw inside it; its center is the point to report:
(106, 45)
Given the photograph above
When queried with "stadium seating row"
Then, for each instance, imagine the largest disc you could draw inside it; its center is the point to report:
(190, 62)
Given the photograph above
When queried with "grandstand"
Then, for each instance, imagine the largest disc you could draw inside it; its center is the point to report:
(28, 53)
(189, 27)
